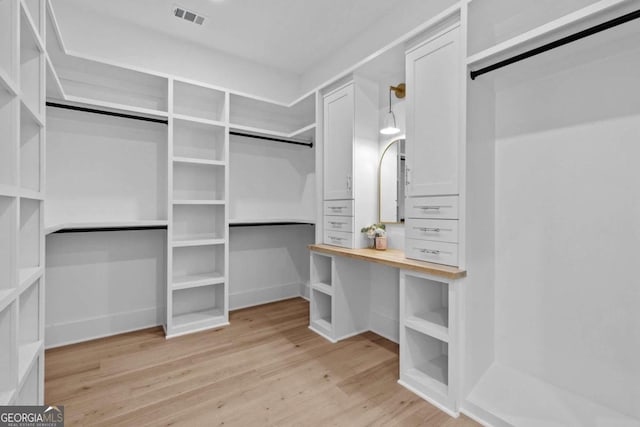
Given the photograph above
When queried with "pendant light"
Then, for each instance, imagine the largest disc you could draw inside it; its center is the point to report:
(390, 126)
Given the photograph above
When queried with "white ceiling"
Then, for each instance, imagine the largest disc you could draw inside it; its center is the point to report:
(290, 35)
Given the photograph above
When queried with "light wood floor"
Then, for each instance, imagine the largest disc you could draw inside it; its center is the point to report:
(266, 369)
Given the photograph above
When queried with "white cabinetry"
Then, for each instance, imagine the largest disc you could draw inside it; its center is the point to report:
(433, 147)
(350, 159)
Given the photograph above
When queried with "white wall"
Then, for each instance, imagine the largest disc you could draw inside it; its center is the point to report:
(103, 283)
(122, 43)
(568, 222)
(396, 24)
(270, 180)
(102, 168)
(268, 263)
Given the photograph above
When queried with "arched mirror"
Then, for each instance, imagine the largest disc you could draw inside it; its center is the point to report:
(391, 183)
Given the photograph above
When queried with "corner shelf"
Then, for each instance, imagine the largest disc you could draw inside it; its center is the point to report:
(271, 118)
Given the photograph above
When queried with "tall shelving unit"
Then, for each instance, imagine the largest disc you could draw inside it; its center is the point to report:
(198, 231)
(22, 91)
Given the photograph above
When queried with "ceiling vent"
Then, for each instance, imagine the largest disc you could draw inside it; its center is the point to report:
(187, 15)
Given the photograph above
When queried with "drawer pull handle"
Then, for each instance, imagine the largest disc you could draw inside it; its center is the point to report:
(431, 251)
(335, 208)
(431, 208)
(427, 229)
(339, 224)
(336, 238)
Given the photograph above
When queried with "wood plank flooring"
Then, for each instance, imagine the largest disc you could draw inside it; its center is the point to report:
(266, 369)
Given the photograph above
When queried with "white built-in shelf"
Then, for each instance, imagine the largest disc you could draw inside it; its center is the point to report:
(105, 225)
(186, 241)
(9, 190)
(28, 275)
(198, 319)
(7, 296)
(8, 83)
(197, 101)
(30, 27)
(26, 193)
(323, 323)
(196, 280)
(199, 120)
(431, 324)
(54, 86)
(570, 23)
(271, 118)
(433, 373)
(116, 107)
(198, 161)
(27, 355)
(303, 134)
(323, 287)
(260, 221)
(28, 113)
(197, 202)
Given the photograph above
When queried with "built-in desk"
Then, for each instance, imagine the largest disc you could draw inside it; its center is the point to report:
(340, 294)
(393, 258)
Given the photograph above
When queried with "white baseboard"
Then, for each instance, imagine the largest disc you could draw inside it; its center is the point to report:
(482, 416)
(80, 330)
(385, 326)
(263, 295)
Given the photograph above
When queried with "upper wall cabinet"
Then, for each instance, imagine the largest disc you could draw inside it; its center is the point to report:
(350, 136)
(433, 116)
(338, 143)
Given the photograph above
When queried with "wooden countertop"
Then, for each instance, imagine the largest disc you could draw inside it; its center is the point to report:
(394, 258)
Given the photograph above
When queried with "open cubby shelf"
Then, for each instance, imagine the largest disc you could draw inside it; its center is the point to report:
(30, 382)
(426, 359)
(8, 147)
(198, 101)
(321, 313)
(8, 212)
(31, 135)
(30, 234)
(195, 306)
(195, 222)
(198, 182)
(29, 315)
(7, 362)
(195, 265)
(427, 305)
(268, 117)
(193, 140)
(7, 40)
(35, 11)
(31, 68)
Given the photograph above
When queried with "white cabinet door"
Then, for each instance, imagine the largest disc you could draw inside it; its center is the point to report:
(338, 144)
(433, 116)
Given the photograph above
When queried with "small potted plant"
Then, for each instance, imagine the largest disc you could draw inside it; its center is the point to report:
(377, 236)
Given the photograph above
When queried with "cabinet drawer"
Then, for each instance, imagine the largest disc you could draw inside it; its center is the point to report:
(438, 252)
(338, 223)
(338, 207)
(445, 207)
(440, 230)
(338, 238)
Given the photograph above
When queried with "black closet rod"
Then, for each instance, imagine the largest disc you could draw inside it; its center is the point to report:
(106, 113)
(263, 224)
(102, 229)
(272, 138)
(557, 43)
